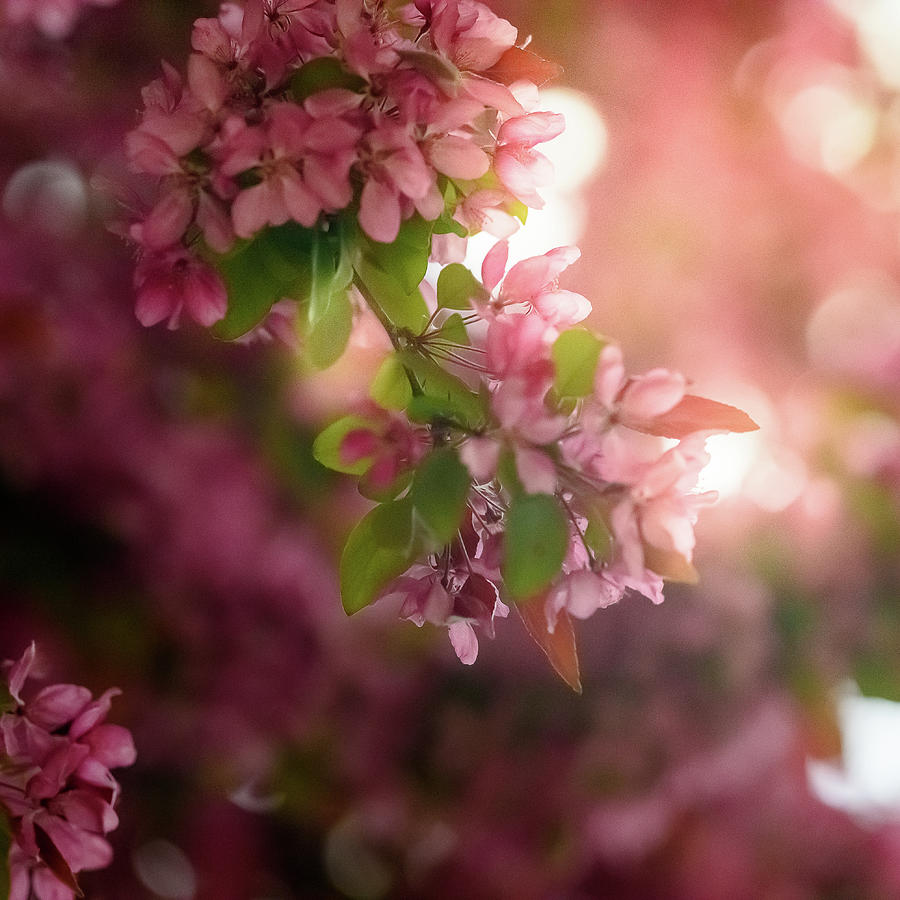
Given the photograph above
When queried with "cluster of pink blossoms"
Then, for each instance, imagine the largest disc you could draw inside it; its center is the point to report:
(614, 459)
(56, 788)
(325, 151)
(296, 110)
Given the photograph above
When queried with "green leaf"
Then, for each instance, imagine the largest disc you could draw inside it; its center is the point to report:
(427, 410)
(454, 329)
(391, 388)
(5, 844)
(597, 536)
(380, 548)
(320, 75)
(327, 339)
(404, 309)
(406, 257)
(439, 491)
(465, 405)
(432, 66)
(446, 224)
(329, 313)
(258, 273)
(327, 446)
(456, 286)
(535, 544)
(575, 354)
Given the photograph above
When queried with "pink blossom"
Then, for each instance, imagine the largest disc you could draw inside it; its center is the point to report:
(55, 756)
(520, 167)
(456, 600)
(174, 281)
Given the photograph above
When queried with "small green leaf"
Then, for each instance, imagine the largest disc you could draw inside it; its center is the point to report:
(406, 257)
(446, 224)
(439, 491)
(454, 329)
(320, 75)
(535, 544)
(404, 309)
(427, 410)
(5, 844)
(327, 446)
(465, 405)
(380, 548)
(575, 354)
(456, 286)
(598, 538)
(391, 388)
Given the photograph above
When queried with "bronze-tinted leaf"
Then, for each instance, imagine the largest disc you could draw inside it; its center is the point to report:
(697, 414)
(55, 861)
(517, 64)
(559, 646)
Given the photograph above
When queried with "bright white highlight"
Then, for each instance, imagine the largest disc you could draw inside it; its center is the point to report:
(830, 125)
(49, 195)
(867, 783)
(877, 24)
(731, 457)
(580, 150)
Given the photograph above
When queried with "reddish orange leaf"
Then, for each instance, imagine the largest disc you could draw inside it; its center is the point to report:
(517, 64)
(697, 414)
(559, 646)
(670, 564)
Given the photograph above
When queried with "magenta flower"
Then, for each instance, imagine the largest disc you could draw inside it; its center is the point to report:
(55, 783)
(173, 281)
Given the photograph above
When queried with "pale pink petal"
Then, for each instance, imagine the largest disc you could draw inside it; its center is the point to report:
(458, 157)
(562, 308)
(205, 296)
(464, 641)
(609, 376)
(534, 128)
(258, 206)
(587, 592)
(491, 94)
(18, 672)
(112, 745)
(431, 205)
(215, 223)
(480, 455)
(329, 178)
(651, 395)
(57, 704)
(528, 278)
(302, 204)
(494, 265)
(536, 471)
(207, 82)
(167, 221)
(379, 211)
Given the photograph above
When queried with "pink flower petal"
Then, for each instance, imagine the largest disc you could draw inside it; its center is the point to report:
(464, 641)
(379, 211)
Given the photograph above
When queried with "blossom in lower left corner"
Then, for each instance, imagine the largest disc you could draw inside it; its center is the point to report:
(56, 788)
